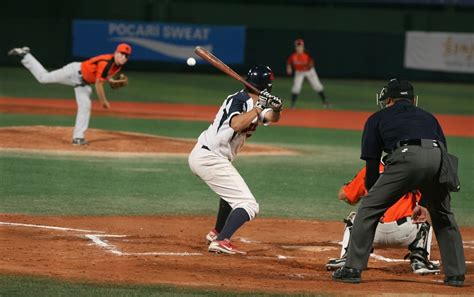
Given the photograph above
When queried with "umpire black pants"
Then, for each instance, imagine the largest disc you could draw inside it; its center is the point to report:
(408, 168)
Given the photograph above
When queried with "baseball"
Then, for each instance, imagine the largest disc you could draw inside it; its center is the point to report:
(191, 61)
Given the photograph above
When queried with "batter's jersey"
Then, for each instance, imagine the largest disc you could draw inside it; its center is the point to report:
(301, 62)
(220, 138)
(100, 67)
(355, 189)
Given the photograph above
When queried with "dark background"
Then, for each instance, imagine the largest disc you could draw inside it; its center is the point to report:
(348, 39)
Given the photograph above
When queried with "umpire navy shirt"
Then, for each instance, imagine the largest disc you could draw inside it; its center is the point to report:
(401, 121)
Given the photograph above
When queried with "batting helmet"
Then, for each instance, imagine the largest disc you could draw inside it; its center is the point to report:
(396, 89)
(261, 77)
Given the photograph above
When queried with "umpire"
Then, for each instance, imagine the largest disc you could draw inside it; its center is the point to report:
(413, 139)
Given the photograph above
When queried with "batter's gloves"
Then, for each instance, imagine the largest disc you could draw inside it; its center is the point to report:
(267, 100)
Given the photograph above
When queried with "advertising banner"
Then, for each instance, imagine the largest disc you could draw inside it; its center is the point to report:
(440, 51)
(163, 42)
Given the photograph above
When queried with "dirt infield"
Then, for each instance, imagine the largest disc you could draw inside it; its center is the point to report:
(112, 143)
(283, 255)
(453, 125)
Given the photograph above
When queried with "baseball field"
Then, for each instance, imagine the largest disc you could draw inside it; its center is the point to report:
(124, 216)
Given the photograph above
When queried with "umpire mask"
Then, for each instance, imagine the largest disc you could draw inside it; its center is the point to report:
(396, 89)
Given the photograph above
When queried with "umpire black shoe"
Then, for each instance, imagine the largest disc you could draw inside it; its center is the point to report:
(455, 281)
(347, 275)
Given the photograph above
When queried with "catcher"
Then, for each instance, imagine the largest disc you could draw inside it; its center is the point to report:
(98, 70)
(396, 227)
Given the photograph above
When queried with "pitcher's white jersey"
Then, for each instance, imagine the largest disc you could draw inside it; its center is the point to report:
(220, 138)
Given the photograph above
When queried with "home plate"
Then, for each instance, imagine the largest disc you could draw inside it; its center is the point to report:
(309, 248)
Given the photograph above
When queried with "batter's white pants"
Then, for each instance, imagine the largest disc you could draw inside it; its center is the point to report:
(392, 234)
(222, 177)
(68, 75)
(312, 77)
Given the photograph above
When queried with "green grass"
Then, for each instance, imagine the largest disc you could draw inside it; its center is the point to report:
(303, 186)
(212, 89)
(13, 286)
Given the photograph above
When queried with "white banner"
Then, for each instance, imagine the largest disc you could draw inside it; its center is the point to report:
(441, 51)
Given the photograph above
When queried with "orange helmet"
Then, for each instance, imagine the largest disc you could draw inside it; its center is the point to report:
(124, 48)
(299, 42)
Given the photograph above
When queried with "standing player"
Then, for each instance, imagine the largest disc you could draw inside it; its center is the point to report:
(417, 150)
(211, 159)
(396, 227)
(97, 70)
(302, 64)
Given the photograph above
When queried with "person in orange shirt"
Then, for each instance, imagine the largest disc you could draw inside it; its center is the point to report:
(302, 65)
(396, 227)
(96, 71)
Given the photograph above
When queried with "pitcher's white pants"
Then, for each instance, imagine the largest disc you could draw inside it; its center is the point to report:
(68, 75)
(222, 177)
(312, 77)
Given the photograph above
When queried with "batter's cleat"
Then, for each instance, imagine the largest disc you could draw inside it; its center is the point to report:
(424, 267)
(454, 281)
(19, 51)
(347, 275)
(224, 246)
(335, 263)
(80, 141)
(211, 236)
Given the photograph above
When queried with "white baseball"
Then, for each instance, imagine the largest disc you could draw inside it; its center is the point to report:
(191, 61)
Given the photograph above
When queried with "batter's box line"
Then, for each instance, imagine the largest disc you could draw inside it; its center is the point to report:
(104, 244)
(96, 238)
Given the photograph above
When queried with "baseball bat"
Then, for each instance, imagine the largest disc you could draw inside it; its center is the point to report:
(209, 57)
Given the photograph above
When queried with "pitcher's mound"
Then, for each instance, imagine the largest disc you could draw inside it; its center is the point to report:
(58, 139)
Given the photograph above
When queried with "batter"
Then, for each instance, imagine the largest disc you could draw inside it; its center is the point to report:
(211, 159)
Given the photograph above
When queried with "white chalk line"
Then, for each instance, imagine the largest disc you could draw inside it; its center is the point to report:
(96, 238)
(104, 244)
(49, 227)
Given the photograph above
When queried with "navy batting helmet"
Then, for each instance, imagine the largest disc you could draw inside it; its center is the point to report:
(261, 77)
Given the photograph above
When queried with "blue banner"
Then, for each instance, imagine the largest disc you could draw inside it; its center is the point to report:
(165, 42)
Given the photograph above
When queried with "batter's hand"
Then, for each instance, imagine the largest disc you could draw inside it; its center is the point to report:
(275, 103)
(263, 99)
(420, 214)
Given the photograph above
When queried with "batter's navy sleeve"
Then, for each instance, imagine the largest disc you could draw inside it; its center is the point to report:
(238, 104)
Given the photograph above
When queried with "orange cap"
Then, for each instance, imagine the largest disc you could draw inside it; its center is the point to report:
(124, 48)
(299, 42)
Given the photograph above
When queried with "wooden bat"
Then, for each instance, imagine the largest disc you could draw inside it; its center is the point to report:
(209, 57)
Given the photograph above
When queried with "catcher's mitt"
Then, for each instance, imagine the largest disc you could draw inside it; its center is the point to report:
(119, 82)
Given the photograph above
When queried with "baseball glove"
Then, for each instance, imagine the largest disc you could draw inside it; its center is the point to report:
(120, 81)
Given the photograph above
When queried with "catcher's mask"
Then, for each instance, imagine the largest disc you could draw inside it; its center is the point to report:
(396, 89)
(261, 77)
